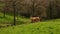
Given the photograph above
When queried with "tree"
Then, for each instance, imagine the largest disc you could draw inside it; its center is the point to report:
(33, 8)
(14, 11)
(5, 8)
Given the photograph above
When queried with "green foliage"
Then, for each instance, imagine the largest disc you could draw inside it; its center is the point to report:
(47, 27)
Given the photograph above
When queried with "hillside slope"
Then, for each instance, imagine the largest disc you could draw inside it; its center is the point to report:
(47, 27)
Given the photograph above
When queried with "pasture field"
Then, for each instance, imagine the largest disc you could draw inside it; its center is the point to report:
(46, 27)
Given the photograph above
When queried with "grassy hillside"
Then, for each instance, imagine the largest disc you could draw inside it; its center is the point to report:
(47, 27)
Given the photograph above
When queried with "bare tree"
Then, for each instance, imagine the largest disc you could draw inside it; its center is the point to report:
(5, 8)
(33, 9)
(14, 9)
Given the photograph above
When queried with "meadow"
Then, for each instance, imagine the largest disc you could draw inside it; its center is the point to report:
(47, 27)
(23, 26)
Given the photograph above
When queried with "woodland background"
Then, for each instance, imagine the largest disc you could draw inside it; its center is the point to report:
(46, 9)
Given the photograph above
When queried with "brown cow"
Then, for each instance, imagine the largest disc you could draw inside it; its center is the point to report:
(34, 19)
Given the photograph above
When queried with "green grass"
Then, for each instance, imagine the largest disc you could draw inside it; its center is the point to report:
(47, 27)
(10, 19)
